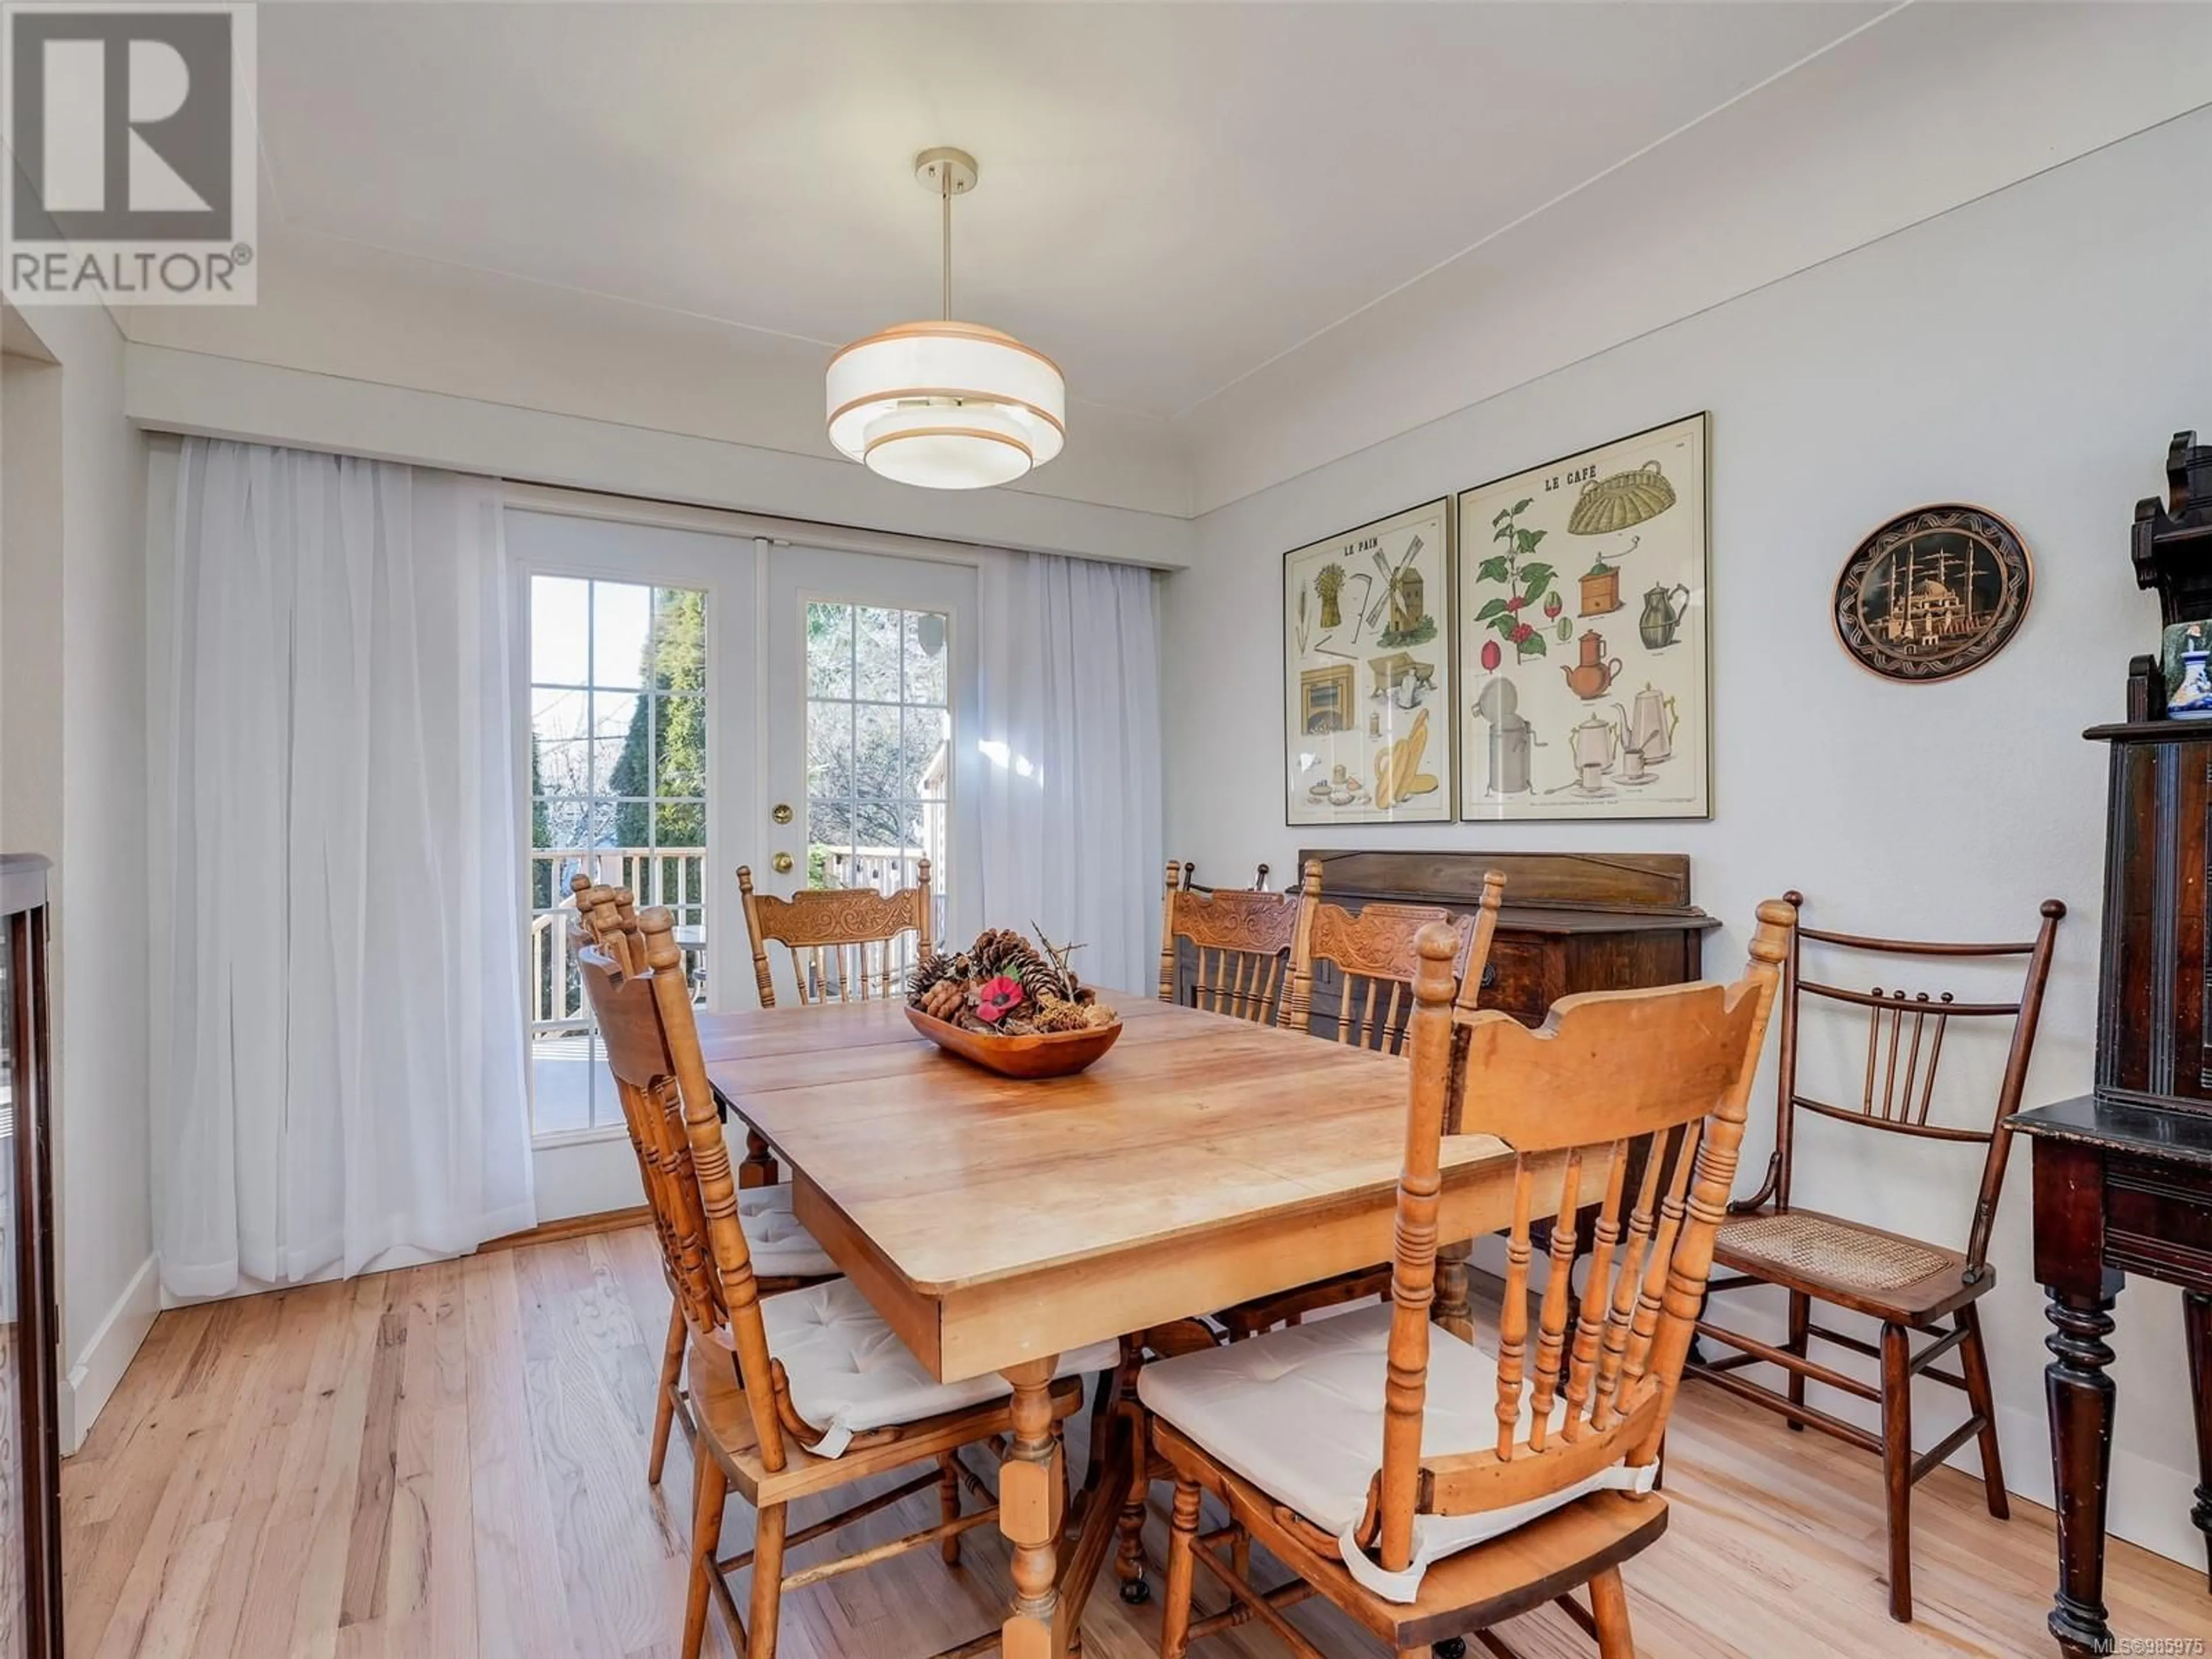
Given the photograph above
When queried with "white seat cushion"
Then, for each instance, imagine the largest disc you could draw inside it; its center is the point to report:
(1298, 1412)
(850, 1373)
(781, 1248)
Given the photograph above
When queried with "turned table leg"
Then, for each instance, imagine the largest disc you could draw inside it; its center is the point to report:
(2079, 1396)
(1029, 1515)
(1452, 1309)
(2196, 1312)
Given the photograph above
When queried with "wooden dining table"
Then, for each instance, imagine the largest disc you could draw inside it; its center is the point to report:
(996, 1225)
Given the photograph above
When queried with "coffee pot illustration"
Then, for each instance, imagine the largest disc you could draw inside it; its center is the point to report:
(1512, 736)
(1663, 615)
(1588, 678)
(1593, 744)
(1651, 724)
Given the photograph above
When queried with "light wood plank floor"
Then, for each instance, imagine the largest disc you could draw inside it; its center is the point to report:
(450, 1460)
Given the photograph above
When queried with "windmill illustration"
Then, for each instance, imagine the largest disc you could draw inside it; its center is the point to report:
(1403, 591)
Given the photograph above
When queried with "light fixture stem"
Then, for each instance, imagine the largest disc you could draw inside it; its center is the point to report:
(945, 191)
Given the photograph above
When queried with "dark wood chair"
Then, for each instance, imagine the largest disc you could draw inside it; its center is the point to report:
(1428, 1487)
(1240, 939)
(1913, 1287)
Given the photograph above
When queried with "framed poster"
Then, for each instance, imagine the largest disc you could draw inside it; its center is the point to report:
(1368, 674)
(1584, 653)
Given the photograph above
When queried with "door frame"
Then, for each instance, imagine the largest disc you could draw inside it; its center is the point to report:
(587, 1171)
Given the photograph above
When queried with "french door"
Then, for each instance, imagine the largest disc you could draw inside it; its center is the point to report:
(698, 701)
(870, 665)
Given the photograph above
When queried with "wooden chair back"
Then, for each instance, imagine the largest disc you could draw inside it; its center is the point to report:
(1373, 951)
(1669, 1069)
(846, 944)
(634, 979)
(1241, 939)
(1904, 1048)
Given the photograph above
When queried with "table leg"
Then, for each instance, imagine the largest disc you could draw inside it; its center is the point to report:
(1452, 1309)
(2079, 1395)
(1029, 1515)
(2196, 1312)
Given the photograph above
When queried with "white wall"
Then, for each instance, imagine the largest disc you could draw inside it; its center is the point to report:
(2030, 352)
(86, 681)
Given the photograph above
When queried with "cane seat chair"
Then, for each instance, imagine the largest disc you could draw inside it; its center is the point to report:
(797, 1394)
(786, 1256)
(1240, 941)
(1913, 1287)
(1371, 954)
(1504, 1479)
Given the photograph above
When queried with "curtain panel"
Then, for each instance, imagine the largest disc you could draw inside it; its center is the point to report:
(1069, 765)
(339, 1030)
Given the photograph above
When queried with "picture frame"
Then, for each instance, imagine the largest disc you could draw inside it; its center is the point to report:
(1369, 673)
(1579, 699)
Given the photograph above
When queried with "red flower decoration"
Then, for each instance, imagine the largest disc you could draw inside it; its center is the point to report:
(997, 998)
(1522, 634)
(1516, 602)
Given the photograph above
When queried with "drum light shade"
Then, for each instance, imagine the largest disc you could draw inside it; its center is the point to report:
(946, 405)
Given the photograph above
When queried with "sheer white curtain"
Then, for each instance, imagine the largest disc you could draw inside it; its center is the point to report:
(340, 1045)
(1070, 760)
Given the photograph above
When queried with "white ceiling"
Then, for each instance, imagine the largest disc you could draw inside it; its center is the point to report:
(1172, 196)
(1259, 237)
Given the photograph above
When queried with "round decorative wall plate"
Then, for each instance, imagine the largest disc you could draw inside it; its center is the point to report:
(1934, 593)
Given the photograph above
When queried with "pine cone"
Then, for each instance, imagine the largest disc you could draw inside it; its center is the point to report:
(1002, 950)
(943, 1000)
(1054, 1014)
(934, 969)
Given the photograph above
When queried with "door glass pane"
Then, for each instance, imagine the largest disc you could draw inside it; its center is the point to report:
(878, 738)
(618, 793)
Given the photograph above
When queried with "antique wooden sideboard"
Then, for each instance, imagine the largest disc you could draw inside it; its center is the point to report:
(1570, 921)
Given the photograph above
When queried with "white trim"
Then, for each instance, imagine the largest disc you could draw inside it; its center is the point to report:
(169, 390)
(95, 1372)
(720, 521)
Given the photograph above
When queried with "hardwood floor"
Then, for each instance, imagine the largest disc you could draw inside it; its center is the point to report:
(450, 1460)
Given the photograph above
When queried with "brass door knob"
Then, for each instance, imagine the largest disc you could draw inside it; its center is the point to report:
(782, 812)
(782, 863)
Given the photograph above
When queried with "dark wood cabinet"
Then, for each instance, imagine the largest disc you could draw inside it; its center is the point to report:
(2124, 1175)
(30, 1452)
(1570, 921)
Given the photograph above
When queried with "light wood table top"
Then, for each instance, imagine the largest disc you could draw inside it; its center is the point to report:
(1202, 1160)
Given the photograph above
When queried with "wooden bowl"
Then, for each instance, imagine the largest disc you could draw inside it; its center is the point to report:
(1052, 1053)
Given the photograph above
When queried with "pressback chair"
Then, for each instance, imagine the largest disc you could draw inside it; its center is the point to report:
(786, 1256)
(1504, 1480)
(846, 943)
(1908, 1286)
(1373, 952)
(1241, 940)
(795, 1394)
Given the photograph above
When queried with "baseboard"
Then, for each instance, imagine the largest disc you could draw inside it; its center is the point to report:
(573, 1226)
(108, 1354)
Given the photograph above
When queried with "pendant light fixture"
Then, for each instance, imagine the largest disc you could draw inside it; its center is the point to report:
(946, 404)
